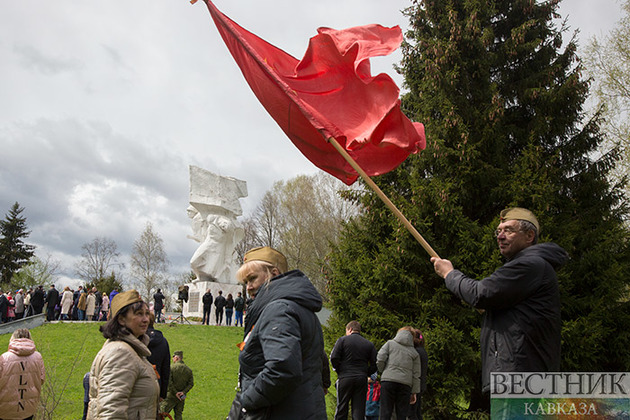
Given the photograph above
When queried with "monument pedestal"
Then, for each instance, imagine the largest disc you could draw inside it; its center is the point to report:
(196, 290)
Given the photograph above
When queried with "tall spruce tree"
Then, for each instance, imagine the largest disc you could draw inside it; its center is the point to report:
(14, 253)
(502, 103)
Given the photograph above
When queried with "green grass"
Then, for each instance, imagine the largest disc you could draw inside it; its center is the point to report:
(69, 348)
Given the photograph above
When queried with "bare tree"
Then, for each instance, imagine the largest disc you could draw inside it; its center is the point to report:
(607, 62)
(37, 271)
(267, 216)
(98, 260)
(250, 240)
(301, 218)
(149, 262)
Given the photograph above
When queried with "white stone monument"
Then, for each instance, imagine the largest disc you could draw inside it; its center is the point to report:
(214, 208)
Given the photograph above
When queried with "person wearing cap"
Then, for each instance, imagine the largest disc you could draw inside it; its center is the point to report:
(180, 382)
(123, 384)
(281, 356)
(521, 301)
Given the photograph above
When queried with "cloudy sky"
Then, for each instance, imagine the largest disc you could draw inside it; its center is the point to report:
(103, 105)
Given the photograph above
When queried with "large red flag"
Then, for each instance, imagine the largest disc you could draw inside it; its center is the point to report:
(330, 93)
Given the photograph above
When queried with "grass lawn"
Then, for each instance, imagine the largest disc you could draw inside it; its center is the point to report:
(69, 348)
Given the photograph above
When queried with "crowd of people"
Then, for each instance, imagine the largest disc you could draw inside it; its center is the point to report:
(77, 305)
(284, 372)
(402, 364)
(232, 308)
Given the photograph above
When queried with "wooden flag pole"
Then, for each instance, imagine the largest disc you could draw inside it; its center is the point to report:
(383, 197)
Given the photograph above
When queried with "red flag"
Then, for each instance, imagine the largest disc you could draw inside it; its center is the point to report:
(330, 93)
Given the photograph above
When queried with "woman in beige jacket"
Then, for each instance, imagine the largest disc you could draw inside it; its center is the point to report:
(123, 384)
(90, 306)
(66, 302)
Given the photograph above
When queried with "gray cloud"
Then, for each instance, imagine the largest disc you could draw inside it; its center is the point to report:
(105, 104)
(32, 58)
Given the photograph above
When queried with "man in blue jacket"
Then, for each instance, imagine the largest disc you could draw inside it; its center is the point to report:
(521, 326)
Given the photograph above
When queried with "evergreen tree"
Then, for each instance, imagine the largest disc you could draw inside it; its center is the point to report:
(502, 103)
(106, 284)
(14, 253)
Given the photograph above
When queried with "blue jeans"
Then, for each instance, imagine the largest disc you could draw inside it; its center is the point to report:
(238, 318)
(228, 316)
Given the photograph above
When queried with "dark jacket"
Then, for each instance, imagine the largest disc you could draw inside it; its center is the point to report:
(37, 300)
(239, 304)
(160, 357)
(353, 356)
(158, 299)
(521, 326)
(52, 297)
(424, 368)
(229, 303)
(4, 305)
(220, 302)
(207, 299)
(281, 363)
(99, 298)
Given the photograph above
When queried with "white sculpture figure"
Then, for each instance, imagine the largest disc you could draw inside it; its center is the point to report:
(199, 224)
(213, 210)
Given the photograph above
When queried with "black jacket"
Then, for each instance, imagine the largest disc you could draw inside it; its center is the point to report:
(239, 304)
(160, 357)
(353, 356)
(229, 303)
(52, 297)
(99, 298)
(4, 305)
(424, 368)
(281, 363)
(207, 299)
(521, 326)
(37, 299)
(220, 302)
(158, 299)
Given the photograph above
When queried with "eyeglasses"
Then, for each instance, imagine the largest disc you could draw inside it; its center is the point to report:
(507, 231)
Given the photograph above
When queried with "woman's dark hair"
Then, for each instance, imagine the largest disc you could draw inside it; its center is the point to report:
(418, 338)
(112, 328)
